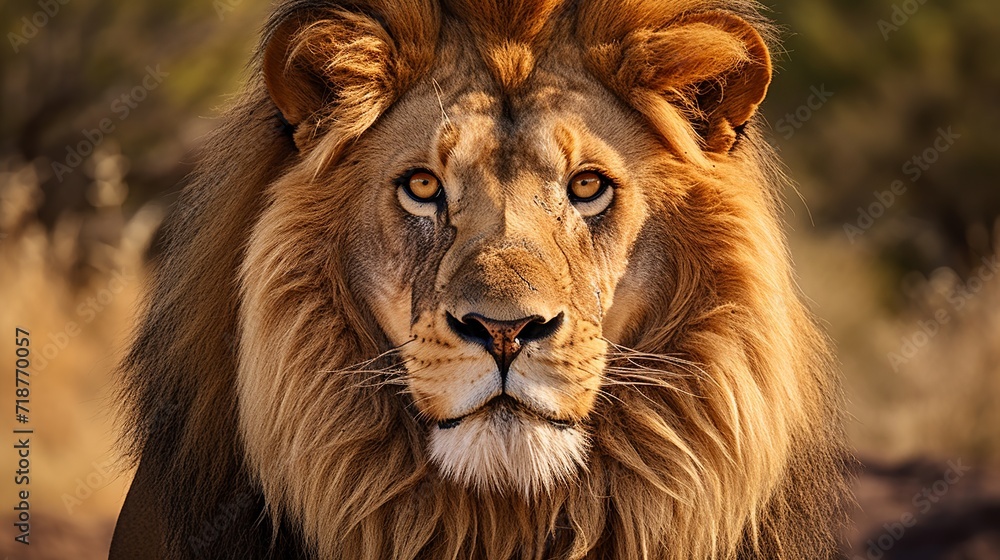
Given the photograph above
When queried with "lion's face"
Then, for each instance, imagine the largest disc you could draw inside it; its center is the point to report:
(495, 242)
(487, 213)
(492, 220)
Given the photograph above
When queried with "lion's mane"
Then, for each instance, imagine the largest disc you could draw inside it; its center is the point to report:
(745, 459)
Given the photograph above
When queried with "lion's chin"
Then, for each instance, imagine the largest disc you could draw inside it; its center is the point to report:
(502, 449)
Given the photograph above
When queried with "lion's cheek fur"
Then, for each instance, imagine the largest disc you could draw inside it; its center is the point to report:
(295, 313)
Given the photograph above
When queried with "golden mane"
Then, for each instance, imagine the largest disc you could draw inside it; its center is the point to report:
(742, 458)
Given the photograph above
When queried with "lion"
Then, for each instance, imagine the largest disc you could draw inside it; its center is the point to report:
(495, 280)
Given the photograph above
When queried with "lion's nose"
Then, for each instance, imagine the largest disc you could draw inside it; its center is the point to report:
(504, 339)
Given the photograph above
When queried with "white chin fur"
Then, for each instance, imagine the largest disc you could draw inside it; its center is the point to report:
(501, 450)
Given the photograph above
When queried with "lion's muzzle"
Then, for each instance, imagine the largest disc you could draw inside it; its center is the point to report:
(503, 339)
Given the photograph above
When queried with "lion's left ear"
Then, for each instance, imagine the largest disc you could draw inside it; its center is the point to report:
(713, 66)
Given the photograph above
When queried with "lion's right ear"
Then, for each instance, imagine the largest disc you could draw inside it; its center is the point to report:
(342, 67)
(713, 67)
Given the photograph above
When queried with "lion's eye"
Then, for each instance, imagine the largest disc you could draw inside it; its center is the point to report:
(423, 186)
(420, 192)
(590, 192)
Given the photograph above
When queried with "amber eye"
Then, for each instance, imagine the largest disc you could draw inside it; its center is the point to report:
(590, 192)
(585, 185)
(420, 193)
(423, 186)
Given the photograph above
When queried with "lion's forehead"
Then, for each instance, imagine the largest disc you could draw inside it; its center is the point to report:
(533, 138)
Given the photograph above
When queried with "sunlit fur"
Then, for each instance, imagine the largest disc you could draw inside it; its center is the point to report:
(272, 361)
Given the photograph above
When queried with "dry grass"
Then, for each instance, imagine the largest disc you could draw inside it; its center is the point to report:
(85, 272)
(938, 399)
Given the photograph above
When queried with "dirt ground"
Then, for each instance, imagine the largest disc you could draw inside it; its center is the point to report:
(924, 510)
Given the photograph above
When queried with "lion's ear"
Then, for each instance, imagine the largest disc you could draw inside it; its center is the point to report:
(343, 68)
(713, 66)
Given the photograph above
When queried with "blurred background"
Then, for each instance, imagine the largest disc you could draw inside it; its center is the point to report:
(885, 112)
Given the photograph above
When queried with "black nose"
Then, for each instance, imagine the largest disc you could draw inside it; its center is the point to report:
(504, 339)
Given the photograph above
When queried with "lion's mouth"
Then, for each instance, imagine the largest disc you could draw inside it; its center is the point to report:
(507, 408)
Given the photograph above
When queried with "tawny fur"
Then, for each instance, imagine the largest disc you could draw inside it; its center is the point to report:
(252, 369)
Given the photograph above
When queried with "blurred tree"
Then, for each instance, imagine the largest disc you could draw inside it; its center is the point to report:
(78, 74)
(899, 72)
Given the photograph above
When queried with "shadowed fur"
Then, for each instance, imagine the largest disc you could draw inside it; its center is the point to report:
(295, 358)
